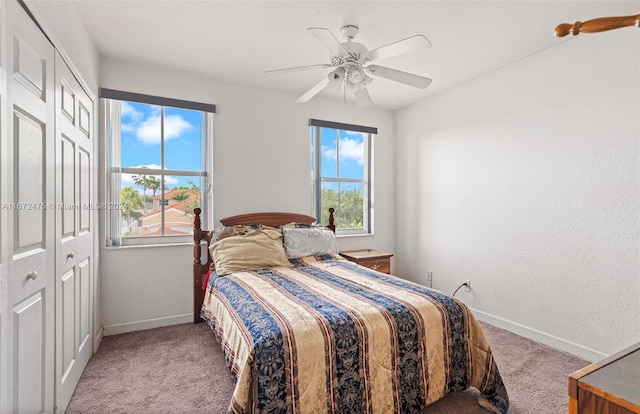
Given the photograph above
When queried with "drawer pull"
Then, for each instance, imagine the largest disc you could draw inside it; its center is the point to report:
(70, 255)
(375, 267)
(33, 275)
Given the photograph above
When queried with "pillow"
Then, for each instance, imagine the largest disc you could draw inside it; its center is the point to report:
(310, 241)
(256, 249)
(237, 230)
(294, 225)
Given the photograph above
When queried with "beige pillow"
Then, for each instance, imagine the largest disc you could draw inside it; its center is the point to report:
(256, 249)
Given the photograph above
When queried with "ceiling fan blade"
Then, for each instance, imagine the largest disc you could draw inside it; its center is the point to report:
(328, 39)
(362, 98)
(313, 91)
(296, 68)
(399, 76)
(401, 47)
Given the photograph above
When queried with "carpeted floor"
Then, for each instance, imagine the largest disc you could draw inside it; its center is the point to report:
(181, 369)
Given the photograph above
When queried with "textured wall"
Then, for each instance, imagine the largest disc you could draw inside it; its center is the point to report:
(525, 181)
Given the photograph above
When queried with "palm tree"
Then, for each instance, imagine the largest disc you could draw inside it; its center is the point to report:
(153, 184)
(131, 200)
(181, 195)
(142, 181)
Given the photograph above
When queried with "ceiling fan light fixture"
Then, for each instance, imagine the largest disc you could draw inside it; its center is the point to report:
(351, 64)
(356, 74)
(336, 77)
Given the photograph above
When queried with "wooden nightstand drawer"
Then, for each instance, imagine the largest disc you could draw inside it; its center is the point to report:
(372, 259)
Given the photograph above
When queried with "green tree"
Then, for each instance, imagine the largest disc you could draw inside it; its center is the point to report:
(153, 184)
(181, 195)
(131, 201)
(349, 206)
(194, 202)
(142, 181)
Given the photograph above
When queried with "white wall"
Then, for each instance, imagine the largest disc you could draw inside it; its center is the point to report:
(261, 163)
(526, 181)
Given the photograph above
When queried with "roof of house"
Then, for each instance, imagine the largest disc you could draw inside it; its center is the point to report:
(172, 193)
(180, 206)
(168, 231)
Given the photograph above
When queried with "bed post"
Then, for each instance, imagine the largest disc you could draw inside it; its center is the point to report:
(331, 225)
(198, 294)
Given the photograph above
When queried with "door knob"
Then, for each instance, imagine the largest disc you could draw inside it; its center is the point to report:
(70, 255)
(33, 275)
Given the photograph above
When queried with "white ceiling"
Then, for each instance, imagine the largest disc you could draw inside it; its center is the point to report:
(237, 40)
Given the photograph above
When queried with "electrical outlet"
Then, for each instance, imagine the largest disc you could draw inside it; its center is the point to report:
(429, 278)
(467, 285)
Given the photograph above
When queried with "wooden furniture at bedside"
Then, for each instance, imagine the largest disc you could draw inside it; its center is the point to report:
(370, 258)
(611, 386)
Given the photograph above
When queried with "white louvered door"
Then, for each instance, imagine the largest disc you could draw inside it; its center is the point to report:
(28, 163)
(74, 232)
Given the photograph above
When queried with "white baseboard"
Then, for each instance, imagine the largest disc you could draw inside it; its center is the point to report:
(541, 337)
(119, 328)
(98, 339)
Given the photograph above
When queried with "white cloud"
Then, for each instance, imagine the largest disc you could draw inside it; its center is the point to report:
(350, 150)
(148, 131)
(128, 111)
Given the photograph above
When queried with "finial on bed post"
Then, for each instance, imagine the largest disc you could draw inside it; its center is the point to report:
(331, 225)
(599, 24)
(196, 220)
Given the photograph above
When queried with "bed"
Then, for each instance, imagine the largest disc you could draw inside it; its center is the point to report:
(315, 333)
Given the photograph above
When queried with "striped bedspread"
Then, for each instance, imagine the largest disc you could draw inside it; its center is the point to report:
(330, 336)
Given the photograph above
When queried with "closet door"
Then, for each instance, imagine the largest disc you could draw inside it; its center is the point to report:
(74, 232)
(30, 218)
(3, 221)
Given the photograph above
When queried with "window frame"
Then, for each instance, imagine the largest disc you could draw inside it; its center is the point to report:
(318, 179)
(111, 100)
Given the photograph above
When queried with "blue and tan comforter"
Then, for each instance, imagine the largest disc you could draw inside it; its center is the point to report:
(332, 336)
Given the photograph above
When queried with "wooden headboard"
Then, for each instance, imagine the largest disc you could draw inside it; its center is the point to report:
(273, 219)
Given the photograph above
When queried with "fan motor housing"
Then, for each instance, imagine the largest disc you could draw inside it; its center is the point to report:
(356, 55)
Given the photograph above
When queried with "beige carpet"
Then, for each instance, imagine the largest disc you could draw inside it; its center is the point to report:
(181, 369)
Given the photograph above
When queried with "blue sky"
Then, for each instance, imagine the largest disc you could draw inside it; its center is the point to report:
(342, 154)
(141, 134)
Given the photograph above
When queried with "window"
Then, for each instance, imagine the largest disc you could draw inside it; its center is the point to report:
(341, 171)
(159, 155)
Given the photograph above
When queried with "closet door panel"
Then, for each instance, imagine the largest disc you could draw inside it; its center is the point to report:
(29, 205)
(29, 66)
(84, 306)
(67, 202)
(30, 220)
(29, 340)
(84, 187)
(74, 236)
(67, 322)
(3, 198)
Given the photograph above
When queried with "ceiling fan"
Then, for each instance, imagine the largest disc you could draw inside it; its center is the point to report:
(352, 64)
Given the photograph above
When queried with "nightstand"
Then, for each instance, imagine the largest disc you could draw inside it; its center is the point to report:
(370, 258)
(609, 386)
